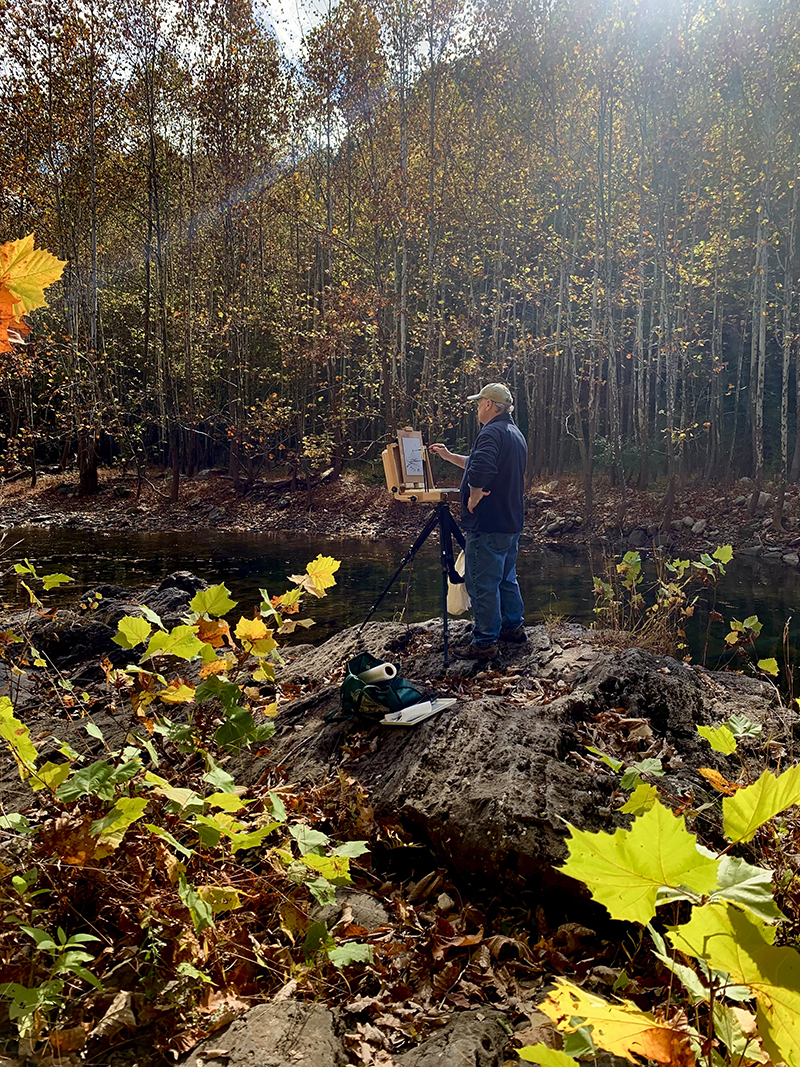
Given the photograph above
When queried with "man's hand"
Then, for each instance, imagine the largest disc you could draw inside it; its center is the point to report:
(442, 450)
(476, 495)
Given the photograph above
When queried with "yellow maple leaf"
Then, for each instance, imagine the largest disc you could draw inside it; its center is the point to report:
(216, 666)
(620, 1028)
(250, 629)
(177, 694)
(25, 272)
(319, 575)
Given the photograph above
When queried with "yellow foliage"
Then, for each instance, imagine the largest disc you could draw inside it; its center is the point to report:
(250, 629)
(24, 274)
(622, 1029)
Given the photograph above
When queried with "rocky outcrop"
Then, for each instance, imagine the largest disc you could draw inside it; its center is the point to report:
(288, 1033)
(491, 782)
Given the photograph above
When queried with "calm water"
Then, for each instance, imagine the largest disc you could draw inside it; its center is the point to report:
(553, 580)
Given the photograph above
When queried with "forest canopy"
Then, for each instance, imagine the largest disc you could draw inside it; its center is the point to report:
(276, 261)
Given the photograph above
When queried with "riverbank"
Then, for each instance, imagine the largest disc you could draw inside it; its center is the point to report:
(704, 515)
(458, 916)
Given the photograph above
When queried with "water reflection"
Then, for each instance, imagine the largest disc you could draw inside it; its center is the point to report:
(554, 580)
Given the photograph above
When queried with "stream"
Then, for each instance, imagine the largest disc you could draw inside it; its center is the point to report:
(555, 580)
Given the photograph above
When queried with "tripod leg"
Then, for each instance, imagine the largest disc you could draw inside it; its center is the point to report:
(443, 515)
(420, 541)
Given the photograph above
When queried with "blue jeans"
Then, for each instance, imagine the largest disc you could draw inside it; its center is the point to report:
(491, 580)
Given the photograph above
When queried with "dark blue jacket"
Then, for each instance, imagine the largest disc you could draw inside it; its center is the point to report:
(496, 462)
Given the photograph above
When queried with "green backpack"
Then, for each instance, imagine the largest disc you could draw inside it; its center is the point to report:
(372, 700)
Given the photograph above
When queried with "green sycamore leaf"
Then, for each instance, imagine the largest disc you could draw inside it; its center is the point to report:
(159, 831)
(188, 970)
(132, 630)
(50, 581)
(317, 937)
(687, 976)
(277, 807)
(751, 807)
(97, 780)
(308, 840)
(350, 849)
(752, 623)
(181, 641)
(214, 601)
(625, 870)
(17, 823)
(251, 838)
(728, 1029)
(723, 553)
(719, 737)
(615, 764)
(322, 891)
(546, 1057)
(769, 666)
(344, 955)
(742, 726)
(218, 777)
(111, 828)
(750, 886)
(152, 616)
(199, 909)
(733, 941)
(641, 799)
(335, 868)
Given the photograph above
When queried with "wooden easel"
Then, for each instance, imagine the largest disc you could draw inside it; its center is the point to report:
(409, 477)
(407, 467)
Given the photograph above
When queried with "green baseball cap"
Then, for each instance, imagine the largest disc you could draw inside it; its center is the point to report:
(496, 392)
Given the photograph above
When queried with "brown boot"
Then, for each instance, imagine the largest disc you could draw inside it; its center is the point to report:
(516, 637)
(474, 651)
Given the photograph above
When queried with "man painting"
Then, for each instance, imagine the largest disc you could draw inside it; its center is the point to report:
(492, 515)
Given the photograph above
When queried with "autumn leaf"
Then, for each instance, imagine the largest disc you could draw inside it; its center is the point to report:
(546, 1057)
(740, 945)
(625, 870)
(720, 783)
(319, 575)
(719, 737)
(250, 630)
(220, 898)
(620, 1028)
(176, 693)
(25, 272)
(756, 804)
(216, 666)
(18, 737)
(214, 632)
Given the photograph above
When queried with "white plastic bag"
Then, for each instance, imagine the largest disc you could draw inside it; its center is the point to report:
(457, 596)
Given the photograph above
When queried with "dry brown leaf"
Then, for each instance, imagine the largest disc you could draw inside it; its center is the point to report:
(214, 632)
(620, 1027)
(68, 837)
(119, 1015)
(71, 1040)
(216, 666)
(721, 784)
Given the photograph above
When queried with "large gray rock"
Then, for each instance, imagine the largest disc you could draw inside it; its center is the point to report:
(490, 782)
(288, 1033)
(281, 1034)
(471, 1037)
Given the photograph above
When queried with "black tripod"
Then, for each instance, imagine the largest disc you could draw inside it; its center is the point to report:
(448, 529)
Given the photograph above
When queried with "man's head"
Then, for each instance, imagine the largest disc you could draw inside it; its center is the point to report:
(494, 399)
